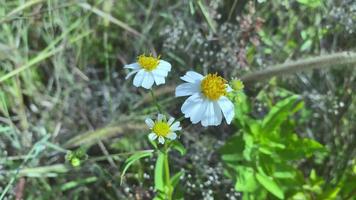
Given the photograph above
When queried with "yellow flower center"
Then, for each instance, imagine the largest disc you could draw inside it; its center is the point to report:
(161, 129)
(213, 86)
(148, 63)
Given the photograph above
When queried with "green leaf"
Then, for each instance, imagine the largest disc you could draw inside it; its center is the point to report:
(175, 179)
(279, 113)
(298, 148)
(132, 159)
(160, 196)
(284, 174)
(78, 182)
(306, 45)
(311, 146)
(265, 150)
(159, 172)
(285, 171)
(245, 180)
(310, 3)
(247, 152)
(299, 195)
(270, 185)
(242, 108)
(232, 150)
(331, 193)
(179, 147)
(153, 143)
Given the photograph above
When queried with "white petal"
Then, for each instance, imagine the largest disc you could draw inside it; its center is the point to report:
(132, 66)
(227, 108)
(160, 72)
(159, 79)
(150, 123)
(199, 114)
(131, 73)
(192, 77)
(187, 89)
(170, 121)
(164, 65)
(208, 118)
(193, 108)
(161, 139)
(212, 115)
(176, 127)
(160, 117)
(152, 136)
(218, 113)
(137, 81)
(147, 80)
(172, 135)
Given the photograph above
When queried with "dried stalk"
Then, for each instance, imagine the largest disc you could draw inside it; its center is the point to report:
(290, 67)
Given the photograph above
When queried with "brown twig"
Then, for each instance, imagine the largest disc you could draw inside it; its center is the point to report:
(324, 61)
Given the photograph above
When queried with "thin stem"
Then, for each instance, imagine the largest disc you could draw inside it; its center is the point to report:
(180, 119)
(155, 101)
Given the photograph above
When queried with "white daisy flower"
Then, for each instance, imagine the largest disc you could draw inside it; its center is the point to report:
(149, 69)
(162, 129)
(207, 102)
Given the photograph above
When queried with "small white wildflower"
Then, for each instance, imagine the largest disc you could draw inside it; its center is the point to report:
(149, 70)
(161, 128)
(207, 102)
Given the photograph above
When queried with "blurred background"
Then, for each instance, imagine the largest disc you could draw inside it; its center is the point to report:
(63, 87)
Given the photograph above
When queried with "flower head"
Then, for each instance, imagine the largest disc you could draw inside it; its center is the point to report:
(237, 84)
(162, 129)
(148, 70)
(213, 86)
(207, 102)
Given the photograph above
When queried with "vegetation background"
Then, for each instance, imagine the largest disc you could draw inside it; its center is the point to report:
(62, 87)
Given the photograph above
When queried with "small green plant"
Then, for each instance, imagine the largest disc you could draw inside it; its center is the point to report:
(263, 157)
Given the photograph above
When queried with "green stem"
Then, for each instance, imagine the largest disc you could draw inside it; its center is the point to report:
(155, 101)
(167, 175)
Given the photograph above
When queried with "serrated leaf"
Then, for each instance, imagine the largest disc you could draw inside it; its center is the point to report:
(270, 185)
